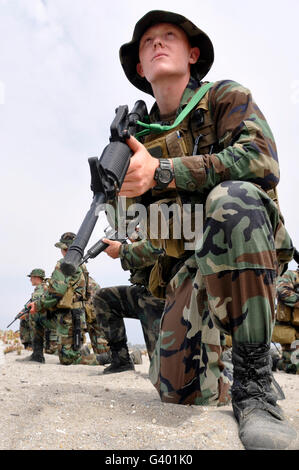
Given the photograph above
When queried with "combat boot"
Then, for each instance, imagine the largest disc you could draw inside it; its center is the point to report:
(262, 425)
(120, 359)
(38, 346)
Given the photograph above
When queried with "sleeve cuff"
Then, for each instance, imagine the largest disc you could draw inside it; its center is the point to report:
(189, 172)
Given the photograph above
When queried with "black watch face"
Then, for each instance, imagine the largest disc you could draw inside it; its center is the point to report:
(165, 176)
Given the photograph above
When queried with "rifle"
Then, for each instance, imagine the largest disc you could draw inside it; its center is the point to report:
(76, 329)
(100, 246)
(107, 175)
(25, 311)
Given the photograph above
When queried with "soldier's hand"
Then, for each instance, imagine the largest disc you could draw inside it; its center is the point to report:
(140, 175)
(32, 308)
(113, 249)
(23, 316)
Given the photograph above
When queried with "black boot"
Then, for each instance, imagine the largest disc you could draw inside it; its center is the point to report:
(121, 360)
(262, 425)
(37, 355)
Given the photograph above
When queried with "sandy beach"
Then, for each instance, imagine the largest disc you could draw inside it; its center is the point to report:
(49, 406)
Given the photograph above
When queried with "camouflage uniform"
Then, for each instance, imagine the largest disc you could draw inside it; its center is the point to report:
(96, 334)
(26, 336)
(65, 296)
(113, 304)
(286, 330)
(25, 333)
(40, 325)
(43, 322)
(238, 260)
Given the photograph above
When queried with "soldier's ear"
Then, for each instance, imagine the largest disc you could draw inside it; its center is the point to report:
(139, 70)
(194, 55)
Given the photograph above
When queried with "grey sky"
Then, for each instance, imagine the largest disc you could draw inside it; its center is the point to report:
(60, 82)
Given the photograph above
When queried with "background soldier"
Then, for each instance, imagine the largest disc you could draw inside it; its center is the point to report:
(41, 323)
(113, 304)
(286, 330)
(65, 300)
(217, 150)
(37, 278)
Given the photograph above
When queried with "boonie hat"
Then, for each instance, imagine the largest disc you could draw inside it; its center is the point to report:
(66, 240)
(296, 257)
(129, 52)
(38, 273)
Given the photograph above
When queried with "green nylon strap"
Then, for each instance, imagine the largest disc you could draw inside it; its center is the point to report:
(157, 128)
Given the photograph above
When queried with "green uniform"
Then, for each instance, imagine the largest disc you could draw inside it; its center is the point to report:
(228, 283)
(64, 298)
(44, 324)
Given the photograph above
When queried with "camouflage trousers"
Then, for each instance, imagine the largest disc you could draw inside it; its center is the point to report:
(25, 332)
(97, 338)
(227, 285)
(51, 341)
(66, 352)
(113, 304)
(42, 325)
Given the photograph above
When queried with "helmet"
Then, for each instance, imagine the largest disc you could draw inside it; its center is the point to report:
(129, 52)
(66, 240)
(38, 273)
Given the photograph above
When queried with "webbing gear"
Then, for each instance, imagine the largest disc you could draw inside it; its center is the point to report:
(158, 128)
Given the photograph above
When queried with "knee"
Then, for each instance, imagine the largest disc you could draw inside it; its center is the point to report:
(235, 204)
(100, 297)
(231, 194)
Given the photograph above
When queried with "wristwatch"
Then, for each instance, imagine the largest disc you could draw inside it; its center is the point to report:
(164, 174)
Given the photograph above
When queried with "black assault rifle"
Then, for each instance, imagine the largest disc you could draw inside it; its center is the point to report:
(100, 246)
(107, 175)
(25, 311)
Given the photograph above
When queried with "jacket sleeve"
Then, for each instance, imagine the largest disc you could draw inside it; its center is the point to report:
(246, 147)
(286, 289)
(57, 287)
(138, 255)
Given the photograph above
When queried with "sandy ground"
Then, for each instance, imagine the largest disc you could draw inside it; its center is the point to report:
(49, 406)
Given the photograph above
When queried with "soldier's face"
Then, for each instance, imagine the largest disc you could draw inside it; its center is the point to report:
(164, 50)
(35, 280)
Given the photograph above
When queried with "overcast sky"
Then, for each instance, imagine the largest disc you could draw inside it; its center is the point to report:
(60, 82)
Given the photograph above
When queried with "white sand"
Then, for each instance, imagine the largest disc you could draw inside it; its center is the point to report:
(49, 406)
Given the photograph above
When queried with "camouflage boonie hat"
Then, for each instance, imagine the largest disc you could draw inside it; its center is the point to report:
(66, 240)
(129, 52)
(38, 273)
